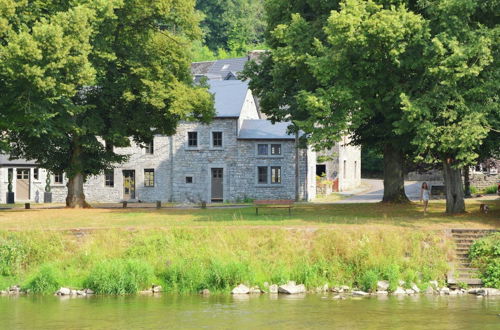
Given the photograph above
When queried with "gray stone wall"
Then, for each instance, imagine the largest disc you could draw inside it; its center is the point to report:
(173, 161)
(481, 181)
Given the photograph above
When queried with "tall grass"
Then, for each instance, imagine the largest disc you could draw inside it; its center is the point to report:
(46, 280)
(218, 258)
(119, 276)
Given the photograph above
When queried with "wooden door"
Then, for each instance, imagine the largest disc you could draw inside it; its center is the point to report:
(128, 184)
(23, 184)
(217, 184)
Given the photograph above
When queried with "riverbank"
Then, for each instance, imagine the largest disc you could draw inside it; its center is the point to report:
(187, 260)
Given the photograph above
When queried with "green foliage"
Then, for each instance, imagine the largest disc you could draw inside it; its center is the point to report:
(186, 260)
(485, 254)
(392, 274)
(46, 280)
(372, 162)
(232, 25)
(461, 83)
(491, 274)
(491, 189)
(473, 190)
(13, 255)
(119, 276)
(487, 247)
(368, 281)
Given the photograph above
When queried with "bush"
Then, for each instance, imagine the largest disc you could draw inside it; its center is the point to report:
(491, 189)
(392, 274)
(119, 276)
(13, 255)
(368, 281)
(491, 274)
(485, 254)
(486, 248)
(46, 280)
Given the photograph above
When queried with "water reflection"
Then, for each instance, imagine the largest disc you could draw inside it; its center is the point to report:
(250, 312)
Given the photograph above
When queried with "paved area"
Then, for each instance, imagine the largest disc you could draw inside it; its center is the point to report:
(372, 191)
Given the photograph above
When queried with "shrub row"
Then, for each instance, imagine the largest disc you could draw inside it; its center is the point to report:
(188, 260)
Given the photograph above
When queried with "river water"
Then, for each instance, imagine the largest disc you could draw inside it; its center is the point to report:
(249, 312)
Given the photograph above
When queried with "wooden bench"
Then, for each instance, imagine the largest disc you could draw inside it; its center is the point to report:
(274, 203)
(438, 190)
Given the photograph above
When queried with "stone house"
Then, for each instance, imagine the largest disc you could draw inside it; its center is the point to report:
(239, 156)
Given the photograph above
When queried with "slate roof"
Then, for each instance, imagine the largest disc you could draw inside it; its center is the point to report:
(221, 68)
(5, 161)
(262, 129)
(229, 96)
(201, 68)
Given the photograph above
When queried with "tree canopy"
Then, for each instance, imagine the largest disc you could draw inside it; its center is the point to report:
(412, 78)
(230, 27)
(81, 77)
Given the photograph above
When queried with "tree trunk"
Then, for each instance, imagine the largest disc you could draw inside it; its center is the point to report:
(467, 182)
(454, 189)
(394, 183)
(76, 197)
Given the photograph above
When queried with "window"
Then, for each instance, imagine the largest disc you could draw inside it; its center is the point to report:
(275, 174)
(217, 139)
(149, 177)
(109, 178)
(262, 174)
(262, 149)
(58, 178)
(275, 149)
(35, 173)
(192, 139)
(355, 169)
(189, 179)
(345, 169)
(149, 148)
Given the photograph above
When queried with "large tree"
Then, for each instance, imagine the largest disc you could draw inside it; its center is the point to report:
(80, 77)
(232, 25)
(339, 69)
(454, 108)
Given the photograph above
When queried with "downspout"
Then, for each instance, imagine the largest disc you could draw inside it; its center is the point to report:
(297, 192)
(171, 156)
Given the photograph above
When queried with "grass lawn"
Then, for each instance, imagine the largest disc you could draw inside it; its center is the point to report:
(307, 215)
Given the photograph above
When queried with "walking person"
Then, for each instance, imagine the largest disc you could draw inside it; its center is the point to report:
(424, 196)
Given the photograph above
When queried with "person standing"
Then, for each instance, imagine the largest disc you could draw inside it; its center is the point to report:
(425, 195)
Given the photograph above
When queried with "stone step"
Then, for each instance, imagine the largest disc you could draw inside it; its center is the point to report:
(468, 281)
(467, 269)
(464, 230)
(464, 241)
